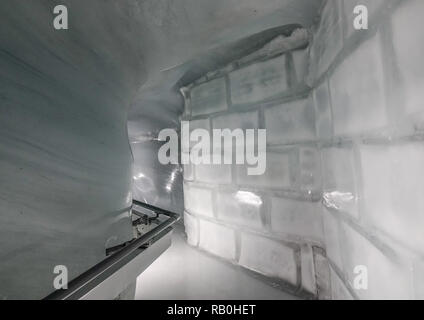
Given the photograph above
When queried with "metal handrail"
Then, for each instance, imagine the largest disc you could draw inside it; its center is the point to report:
(89, 279)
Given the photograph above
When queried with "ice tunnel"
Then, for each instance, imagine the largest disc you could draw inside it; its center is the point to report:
(199, 149)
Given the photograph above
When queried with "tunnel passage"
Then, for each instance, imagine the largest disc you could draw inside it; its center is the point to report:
(268, 223)
(65, 162)
(337, 214)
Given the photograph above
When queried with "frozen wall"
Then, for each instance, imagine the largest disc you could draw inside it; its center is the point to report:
(369, 111)
(344, 122)
(269, 224)
(158, 184)
(65, 160)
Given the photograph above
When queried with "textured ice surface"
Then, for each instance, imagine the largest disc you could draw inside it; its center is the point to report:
(298, 218)
(322, 274)
(237, 121)
(213, 173)
(387, 278)
(209, 97)
(281, 44)
(268, 257)
(340, 191)
(191, 227)
(241, 207)
(290, 122)
(393, 193)
(278, 171)
(328, 40)
(240, 120)
(410, 51)
(310, 169)
(65, 161)
(332, 238)
(188, 172)
(338, 288)
(323, 114)
(301, 64)
(418, 269)
(308, 269)
(217, 239)
(258, 81)
(154, 182)
(198, 200)
(357, 91)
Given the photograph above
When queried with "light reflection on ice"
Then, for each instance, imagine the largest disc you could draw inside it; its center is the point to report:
(336, 198)
(248, 198)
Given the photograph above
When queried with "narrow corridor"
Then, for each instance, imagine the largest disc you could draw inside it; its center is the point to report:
(197, 275)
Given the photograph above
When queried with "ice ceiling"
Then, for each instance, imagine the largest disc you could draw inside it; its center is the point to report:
(201, 32)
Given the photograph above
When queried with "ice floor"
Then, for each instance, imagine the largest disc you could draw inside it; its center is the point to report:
(183, 272)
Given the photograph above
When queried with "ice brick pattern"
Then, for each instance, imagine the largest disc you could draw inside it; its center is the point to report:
(342, 186)
(260, 222)
(367, 89)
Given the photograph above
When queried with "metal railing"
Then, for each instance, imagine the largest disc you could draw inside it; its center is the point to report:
(85, 282)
